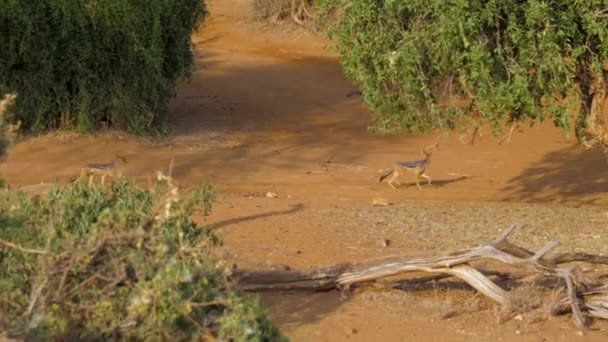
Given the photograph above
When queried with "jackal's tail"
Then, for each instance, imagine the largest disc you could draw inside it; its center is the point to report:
(386, 174)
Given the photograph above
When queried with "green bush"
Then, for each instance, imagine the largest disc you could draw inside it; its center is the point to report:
(85, 262)
(517, 60)
(89, 64)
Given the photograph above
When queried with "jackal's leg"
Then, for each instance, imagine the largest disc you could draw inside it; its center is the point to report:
(418, 175)
(418, 183)
(427, 178)
(390, 181)
(83, 174)
(107, 174)
(392, 178)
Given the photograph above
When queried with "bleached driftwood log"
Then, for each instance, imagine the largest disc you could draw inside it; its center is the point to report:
(583, 298)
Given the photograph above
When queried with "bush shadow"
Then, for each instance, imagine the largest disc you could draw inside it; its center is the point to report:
(570, 175)
(300, 307)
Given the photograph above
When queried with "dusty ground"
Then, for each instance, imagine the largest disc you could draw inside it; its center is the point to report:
(266, 110)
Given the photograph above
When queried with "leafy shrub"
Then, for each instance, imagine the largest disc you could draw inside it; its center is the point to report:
(5, 133)
(516, 60)
(85, 64)
(117, 263)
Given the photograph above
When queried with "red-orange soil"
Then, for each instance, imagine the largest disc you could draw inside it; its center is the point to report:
(266, 110)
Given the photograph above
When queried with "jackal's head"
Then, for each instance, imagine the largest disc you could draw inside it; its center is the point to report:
(437, 145)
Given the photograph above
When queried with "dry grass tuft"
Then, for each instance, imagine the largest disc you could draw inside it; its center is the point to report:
(473, 303)
(446, 308)
(272, 10)
(521, 301)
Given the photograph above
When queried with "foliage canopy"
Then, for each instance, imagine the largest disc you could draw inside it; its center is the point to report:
(120, 262)
(85, 64)
(516, 60)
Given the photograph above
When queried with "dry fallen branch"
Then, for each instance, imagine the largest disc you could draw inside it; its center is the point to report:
(584, 299)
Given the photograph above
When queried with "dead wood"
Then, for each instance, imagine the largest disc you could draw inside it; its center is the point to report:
(300, 11)
(584, 298)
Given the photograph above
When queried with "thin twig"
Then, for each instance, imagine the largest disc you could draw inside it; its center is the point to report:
(581, 321)
(541, 252)
(507, 137)
(12, 245)
(504, 234)
(64, 277)
(35, 296)
(476, 131)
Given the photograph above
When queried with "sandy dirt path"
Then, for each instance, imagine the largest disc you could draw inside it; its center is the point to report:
(269, 110)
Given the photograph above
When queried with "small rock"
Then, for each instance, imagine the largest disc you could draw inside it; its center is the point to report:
(519, 317)
(380, 202)
(350, 331)
(385, 242)
(271, 194)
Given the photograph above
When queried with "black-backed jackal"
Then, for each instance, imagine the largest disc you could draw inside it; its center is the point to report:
(415, 167)
(103, 170)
